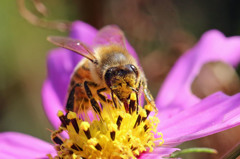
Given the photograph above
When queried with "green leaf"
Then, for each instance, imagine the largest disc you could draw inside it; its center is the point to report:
(193, 150)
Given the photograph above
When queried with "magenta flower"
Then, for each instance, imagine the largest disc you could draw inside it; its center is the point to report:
(183, 116)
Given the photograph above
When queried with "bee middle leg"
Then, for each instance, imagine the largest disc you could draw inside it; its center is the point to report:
(93, 101)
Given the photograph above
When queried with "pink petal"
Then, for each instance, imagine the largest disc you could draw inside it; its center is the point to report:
(215, 113)
(158, 153)
(51, 103)
(213, 46)
(16, 145)
(60, 68)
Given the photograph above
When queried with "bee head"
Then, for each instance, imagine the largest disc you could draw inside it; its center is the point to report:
(122, 80)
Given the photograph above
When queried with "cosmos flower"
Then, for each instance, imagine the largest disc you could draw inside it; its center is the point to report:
(183, 116)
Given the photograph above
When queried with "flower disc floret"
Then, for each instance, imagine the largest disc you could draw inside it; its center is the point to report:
(114, 133)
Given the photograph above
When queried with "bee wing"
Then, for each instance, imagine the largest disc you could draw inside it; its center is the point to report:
(73, 45)
(110, 35)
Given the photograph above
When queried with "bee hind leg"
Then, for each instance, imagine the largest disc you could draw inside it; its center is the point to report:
(93, 101)
(70, 100)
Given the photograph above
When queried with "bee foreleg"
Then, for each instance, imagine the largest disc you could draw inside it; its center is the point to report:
(94, 103)
(103, 97)
(148, 96)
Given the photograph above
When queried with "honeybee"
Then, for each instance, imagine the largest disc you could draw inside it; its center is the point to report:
(109, 69)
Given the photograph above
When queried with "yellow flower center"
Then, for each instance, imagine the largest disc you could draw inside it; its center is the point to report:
(114, 133)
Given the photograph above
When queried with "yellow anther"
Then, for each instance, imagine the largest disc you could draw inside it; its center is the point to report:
(136, 152)
(133, 97)
(112, 127)
(122, 114)
(148, 107)
(84, 126)
(71, 115)
(60, 113)
(74, 156)
(143, 113)
(92, 141)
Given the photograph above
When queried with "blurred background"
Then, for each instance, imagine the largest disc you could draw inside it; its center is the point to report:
(159, 30)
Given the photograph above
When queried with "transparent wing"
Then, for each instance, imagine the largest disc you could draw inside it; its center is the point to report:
(73, 45)
(110, 35)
